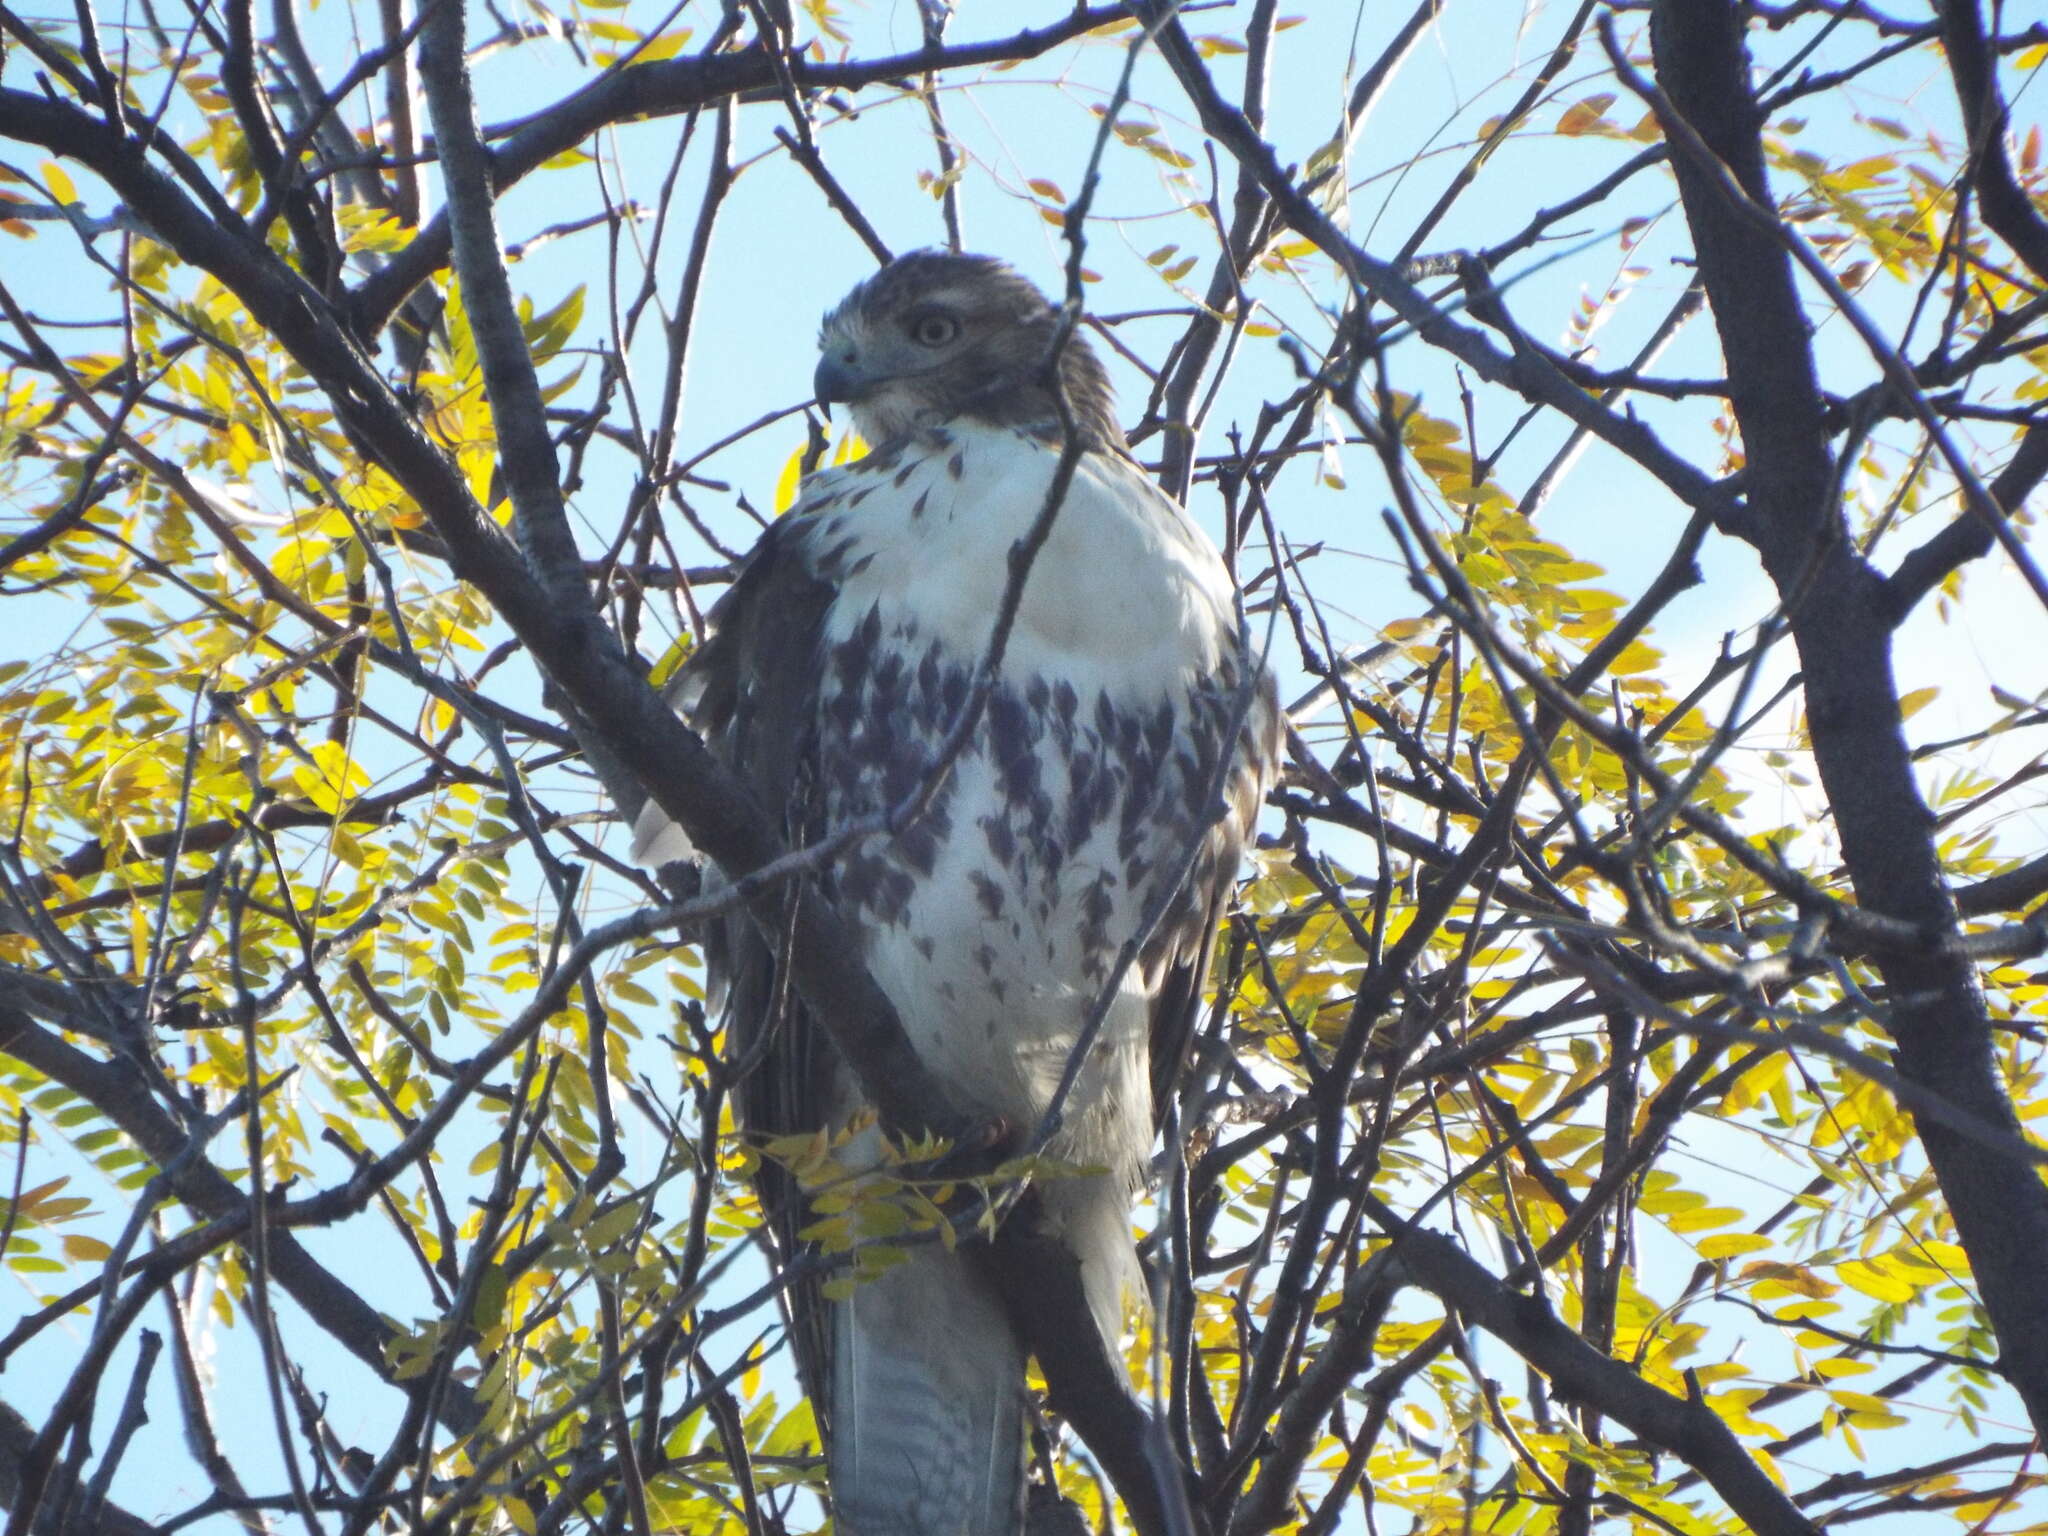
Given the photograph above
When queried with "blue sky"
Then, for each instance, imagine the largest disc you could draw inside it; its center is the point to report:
(782, 257)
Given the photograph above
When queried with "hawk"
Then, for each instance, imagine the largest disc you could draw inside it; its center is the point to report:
(1113, 774)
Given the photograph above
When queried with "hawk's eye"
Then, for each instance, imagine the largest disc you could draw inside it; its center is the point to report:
(933, 329)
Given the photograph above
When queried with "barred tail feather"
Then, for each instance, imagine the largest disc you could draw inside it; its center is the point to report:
(927, 1406)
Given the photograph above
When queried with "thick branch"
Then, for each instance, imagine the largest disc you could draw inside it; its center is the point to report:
(1969, 537)
(526, 450)
(1841, 621)
(2005, 204)
(1684, 1427)
(17, 1435)
(2003, 893)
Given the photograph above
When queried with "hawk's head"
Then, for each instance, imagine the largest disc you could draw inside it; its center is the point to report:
(934, 336)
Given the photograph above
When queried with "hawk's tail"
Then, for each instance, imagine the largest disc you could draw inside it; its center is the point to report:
(927, 1405)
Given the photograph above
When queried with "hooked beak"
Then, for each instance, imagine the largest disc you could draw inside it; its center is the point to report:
(838, 379)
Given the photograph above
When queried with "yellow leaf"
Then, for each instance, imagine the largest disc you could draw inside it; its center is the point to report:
(1733, 1408)
(667, 46)
(1701, 1218)
(1582, 117)
(1911, 704)
(1876, 1278)
(89, 1249)
(672, 658)
(59, 184)
(1951, 1259)
(332, 779)
(1420, 431)
(1868, 1412)
(1771, 1277)
(1636, 657)
(786, 483)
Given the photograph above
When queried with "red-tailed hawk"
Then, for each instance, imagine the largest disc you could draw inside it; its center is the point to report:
(1119, 761)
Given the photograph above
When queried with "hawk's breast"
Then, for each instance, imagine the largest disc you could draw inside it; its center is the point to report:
(1089, 782)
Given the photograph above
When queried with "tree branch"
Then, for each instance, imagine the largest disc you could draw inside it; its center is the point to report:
(1842, 626)
(1968, 537)
(672, 86)
(1974, 67)
(119, 1093)
(1683, 1426)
